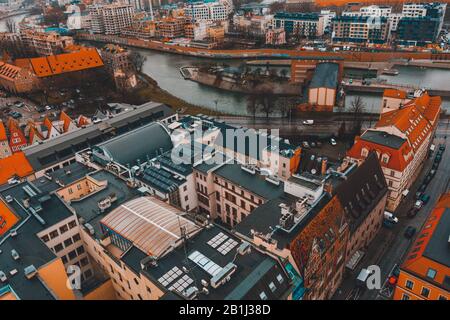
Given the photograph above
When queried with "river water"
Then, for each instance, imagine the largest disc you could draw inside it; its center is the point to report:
(164, 68)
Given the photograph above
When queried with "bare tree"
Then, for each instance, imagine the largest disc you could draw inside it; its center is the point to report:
(137, 59)
(357, 108)
(267, 105)
(252, 104)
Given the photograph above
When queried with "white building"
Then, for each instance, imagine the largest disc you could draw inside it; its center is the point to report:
(327, 16)
(214, 11)
(111, 19)
(76, 19)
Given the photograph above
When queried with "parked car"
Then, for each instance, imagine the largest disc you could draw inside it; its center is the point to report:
(308, 122)
(333, 142)
(418, 205)
(438, 158)
(410, 232)
(441, 147)
(390, 217)
(425, 198)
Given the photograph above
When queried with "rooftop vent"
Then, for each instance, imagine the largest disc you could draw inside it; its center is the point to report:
(149, 261)
(30, 271)
(3, 276)
(244, 248)
(190, 293)
(9, 199)
(224, 275)
(14, 254)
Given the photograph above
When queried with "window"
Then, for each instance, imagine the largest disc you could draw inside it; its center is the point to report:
(68, 242)
(405, 297)
(72, 224)
(45, 238)
(425, 292)
(84, 261)
(76, 238)
(263, 295)
(80, 250)
(272, 287)
(280, 278)
(409, 284)
(431, 273)
(63, 229)
(88, 273)
(72, 254)
(442, 297)
(58, 247)
(64, 259)
(54, 234)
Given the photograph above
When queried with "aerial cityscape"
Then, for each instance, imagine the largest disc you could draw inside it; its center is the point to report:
(217, 150)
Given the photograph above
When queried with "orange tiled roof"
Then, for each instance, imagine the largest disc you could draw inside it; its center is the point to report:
(2, 132)
(67, 62)
(416, 119)
(398, 158)
(7, 218)
(14, 165)
(8, 71)
(67, 120)
(417, 261)
(394, 93)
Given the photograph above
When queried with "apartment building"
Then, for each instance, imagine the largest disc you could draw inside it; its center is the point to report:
(230, 192)
(401, 139)
(424, 273)
(44, 43)
(363, 196)
(212, 11)
(171, 27)
(146, 260)
(421, 23)
(111, 18)
(300, 24)
(360, 29)
(5, 150)
(275, 36)
(33, 243)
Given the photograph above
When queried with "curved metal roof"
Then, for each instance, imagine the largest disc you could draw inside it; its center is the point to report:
(146, 142)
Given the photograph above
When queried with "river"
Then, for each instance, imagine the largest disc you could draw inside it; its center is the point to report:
(164, 68)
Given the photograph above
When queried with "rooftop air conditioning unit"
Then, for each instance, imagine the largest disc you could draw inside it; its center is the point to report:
(30, 271)
(3, 276)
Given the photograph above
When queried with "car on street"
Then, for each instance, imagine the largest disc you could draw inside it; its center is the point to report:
(424, 198)
(305, 144)
(410, 232)
(438, 158)
(390, 217)
(418, 205)
(308, 122)
(333, 142)
(441, 147)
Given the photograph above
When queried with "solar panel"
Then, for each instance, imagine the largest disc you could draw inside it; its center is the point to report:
(227, 246)
(205, 263)
(217, 240)
(179, 281)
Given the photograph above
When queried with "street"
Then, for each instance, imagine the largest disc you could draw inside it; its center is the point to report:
(390, 246)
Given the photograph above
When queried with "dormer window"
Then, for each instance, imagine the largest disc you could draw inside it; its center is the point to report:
(364, 152)
(385, 158)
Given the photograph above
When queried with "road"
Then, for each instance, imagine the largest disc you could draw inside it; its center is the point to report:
(390, 246)
(321, 127)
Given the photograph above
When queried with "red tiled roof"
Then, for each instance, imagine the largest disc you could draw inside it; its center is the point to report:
(417, 261)
(416, 119)
(398, 158)
(394, 93)
(67, 62)
(14, 165)
(2, 132)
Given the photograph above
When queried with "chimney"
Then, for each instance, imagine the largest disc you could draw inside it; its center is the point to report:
(324, 166)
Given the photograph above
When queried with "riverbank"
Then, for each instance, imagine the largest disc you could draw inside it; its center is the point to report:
(236, 84)
(261, 53)
(152, 91)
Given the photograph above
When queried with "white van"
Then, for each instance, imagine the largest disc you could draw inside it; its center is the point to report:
(390, 217)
